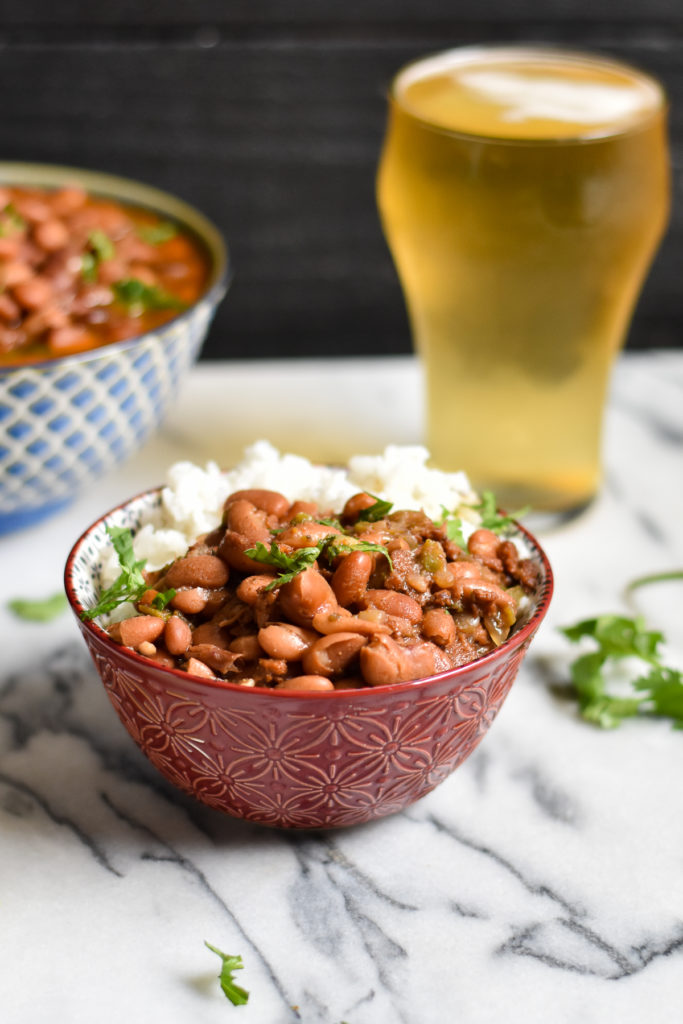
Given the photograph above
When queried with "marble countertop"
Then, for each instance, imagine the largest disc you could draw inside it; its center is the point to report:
(542, 882)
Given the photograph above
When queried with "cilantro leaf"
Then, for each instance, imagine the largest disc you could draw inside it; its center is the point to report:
(341, 544)
(11, 221)
(140, 297)
(237, 995)
(130, 585)
(491, 518)
(43, 610)
(663, 688)
(163, 599)
(100, 247)
(453, 527)
(157, 234)
(373, 513)
(658, 577)
(289, 565)
(658, 692)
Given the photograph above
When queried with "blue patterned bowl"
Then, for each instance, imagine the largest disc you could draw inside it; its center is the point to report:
(64, 422)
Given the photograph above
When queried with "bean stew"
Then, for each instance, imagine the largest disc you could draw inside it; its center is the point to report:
(291, 597)
(78, 271)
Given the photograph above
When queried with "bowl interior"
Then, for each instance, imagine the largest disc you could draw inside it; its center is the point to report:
(85, 563)
(128, 191)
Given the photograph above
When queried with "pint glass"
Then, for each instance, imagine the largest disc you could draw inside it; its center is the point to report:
(523, 193)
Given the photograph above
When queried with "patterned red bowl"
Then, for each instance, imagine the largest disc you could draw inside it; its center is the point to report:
(295, 759)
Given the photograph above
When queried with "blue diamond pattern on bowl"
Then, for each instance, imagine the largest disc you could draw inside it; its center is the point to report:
(68, 421)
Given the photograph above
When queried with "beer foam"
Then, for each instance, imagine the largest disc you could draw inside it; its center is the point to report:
(525, 97)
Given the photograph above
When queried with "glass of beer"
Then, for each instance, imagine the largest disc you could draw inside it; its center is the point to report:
(523, 192)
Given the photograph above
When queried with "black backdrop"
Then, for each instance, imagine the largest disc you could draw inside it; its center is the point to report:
(269, 116)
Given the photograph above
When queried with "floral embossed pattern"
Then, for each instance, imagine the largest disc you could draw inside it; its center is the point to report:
(298, 763)
(293, 759)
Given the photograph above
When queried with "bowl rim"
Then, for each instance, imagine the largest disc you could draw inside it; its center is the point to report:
(515, 640)
(130, 192)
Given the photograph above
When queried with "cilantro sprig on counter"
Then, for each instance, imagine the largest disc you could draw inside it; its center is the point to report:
(237, 995)
(40, 609)
(655, 690)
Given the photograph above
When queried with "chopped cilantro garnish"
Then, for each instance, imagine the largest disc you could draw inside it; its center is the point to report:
(11, 221)
(491, 518)
(140, 297)
(375, 512)
(156, 234)
(130, 585)
(237, 995)
(42, 610)
(452, 524)
(100, 248)
(290, 565)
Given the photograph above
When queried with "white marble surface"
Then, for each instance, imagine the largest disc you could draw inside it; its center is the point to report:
(542, 882)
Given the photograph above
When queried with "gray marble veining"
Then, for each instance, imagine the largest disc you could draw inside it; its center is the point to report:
(542, 882)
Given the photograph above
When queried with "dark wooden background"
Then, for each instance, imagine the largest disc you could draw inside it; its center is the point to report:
(269, 116)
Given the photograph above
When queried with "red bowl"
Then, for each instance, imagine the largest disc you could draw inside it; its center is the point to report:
(295, 759)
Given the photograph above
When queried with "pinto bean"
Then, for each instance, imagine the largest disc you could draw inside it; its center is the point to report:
(232, 550)
(162, 659)
(33, 293)
(177, 635)
(484, 544)
(307, 595)
(68, 199)
(14, 272)
(341, 621)
(305, 683)
(51, 234)
(252, 587)
(394, 603)
(383, 661)
(306, 534)
(438, 626)
(282, 640)
(298, 508)
(9, 310)
(195, 667)
(332, 654)
(139, 628)
(245, 518)
(190, 600)
(248, 646)
(351, 577)
(65, 340)
(210, 633)
(198, 571)
(355, 505)
(272, 502)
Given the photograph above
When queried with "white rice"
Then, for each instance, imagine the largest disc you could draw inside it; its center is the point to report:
(192, 500)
